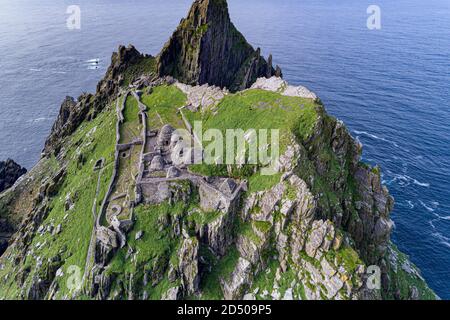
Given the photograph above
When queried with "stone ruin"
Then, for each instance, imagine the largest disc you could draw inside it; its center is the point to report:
(160, 179)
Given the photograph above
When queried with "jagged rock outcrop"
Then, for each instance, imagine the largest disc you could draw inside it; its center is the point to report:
(207, 48)
(218, 236)
(9, 173)
(126, 65)
(5, 231)
(71, 114)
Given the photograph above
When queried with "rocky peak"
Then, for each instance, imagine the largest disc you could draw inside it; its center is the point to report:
(121, 60)
(10, 171)
(207, 48)
(71, 114)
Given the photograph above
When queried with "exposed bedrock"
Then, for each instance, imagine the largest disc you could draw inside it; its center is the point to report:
(207, 48)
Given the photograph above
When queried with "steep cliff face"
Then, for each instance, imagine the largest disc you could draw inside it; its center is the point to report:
(207, 48)
(108, 214)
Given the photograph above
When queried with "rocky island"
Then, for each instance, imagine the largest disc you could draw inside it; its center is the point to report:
(107, 213)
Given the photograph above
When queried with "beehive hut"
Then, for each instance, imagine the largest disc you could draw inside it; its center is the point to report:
(157, 163)
(165, 136)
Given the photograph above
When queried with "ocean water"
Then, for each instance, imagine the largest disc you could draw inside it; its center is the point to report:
(391, 86)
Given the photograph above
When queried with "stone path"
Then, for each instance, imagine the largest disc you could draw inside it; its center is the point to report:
(94, 229)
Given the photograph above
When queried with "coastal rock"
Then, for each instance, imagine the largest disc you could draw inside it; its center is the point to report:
(74, 111)
(71, 115)
(9, 173)
(217, 234)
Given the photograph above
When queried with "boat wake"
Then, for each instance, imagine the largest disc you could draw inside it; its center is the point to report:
(92, 64)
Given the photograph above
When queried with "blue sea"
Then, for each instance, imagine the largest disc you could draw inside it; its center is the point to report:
(390, 86)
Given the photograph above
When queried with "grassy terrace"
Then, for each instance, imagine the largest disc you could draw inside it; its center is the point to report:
(128, 170)
(147, 66)
(260, 109)
(163, 103)
(154, 251)
(257, 109)
(130, 128)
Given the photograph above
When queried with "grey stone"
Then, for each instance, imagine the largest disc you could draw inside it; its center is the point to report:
(239, 277)
(288, 295)
(228, 186)
(327, 269)
(173, 172)
(139, 235)
(157, 163)
(188, 265)
(171, 294)
(165, 136)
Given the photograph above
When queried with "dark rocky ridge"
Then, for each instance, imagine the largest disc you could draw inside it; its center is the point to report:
(9, 173)
(207, 48)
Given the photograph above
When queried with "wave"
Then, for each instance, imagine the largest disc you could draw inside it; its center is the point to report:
(439, 217)
(38, 119)
(443, 239)
(370, 135)
(422, 184)
(431, 222)
(405, 180)
(426, 207)
(50, 71)
(410, 204)
(435, 204)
